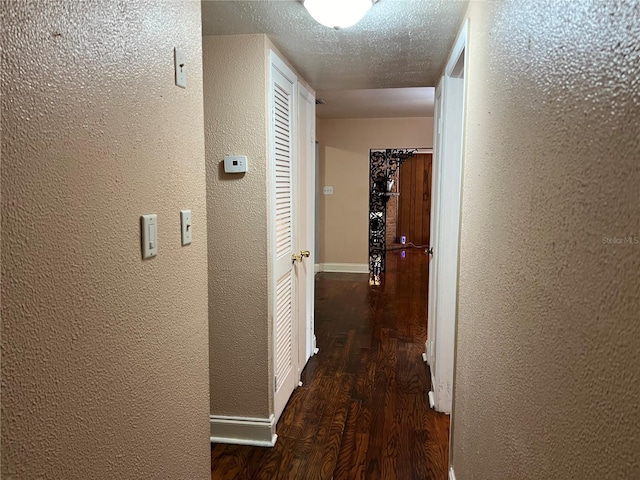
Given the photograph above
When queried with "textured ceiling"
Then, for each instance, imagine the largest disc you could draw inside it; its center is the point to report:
(399, 43)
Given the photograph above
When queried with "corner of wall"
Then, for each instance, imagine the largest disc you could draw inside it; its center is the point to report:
(104, 354)
(237, 206)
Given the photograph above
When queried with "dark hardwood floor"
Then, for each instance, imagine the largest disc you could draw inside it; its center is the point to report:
(362, 412)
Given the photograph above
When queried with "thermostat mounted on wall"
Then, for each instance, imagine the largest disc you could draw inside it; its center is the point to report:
(237, 164)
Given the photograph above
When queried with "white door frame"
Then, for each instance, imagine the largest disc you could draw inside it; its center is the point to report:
(305, 191)
(434, 245)
(447, 186)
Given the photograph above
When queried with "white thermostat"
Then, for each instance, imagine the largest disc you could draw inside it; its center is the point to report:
(238, 164)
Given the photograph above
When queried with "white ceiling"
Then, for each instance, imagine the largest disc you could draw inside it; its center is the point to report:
(377, 103)
(399, 44)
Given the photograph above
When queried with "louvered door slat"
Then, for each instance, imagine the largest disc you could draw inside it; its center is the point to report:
(284, 323)
(282, 124)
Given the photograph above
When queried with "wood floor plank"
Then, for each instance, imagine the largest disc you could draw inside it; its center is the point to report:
(348, 450)
(362, 412)
(358, 469)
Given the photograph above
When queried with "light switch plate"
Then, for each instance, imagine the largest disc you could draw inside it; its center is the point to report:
(327, 190)
(185, 222)
(181, 68)
(149, 228)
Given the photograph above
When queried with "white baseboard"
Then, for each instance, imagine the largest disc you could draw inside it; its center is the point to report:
(317, 268)
(259, 432)
(452, 475)
(344, 267)
(432, 400)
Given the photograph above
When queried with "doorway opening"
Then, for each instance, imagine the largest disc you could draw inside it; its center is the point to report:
(383, 170)
(446, 209)
(411, 228)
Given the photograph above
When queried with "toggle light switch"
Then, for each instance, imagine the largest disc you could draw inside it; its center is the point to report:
(185, 222)
(149, 228)
(180, 67)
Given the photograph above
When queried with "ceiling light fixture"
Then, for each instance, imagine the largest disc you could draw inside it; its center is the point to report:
(338, 13)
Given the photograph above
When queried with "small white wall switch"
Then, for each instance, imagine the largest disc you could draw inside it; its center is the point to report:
(237, 164)
(149, 227)
(185, 222)
(181, 68)
(327, 190)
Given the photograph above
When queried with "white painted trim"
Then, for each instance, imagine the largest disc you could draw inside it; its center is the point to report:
(305, 199)
(432, 402)
(458, 47)
(436, 189)
(258, 432)
(448, 168)
(317, 268)
(283, 68)
(344, 267)
(452, 474)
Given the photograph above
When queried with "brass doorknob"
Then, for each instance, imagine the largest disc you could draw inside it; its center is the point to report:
(305, 253)
(296, 258)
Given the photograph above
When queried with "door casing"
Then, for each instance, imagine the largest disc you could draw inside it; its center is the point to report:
(446, 218)
(305, 193)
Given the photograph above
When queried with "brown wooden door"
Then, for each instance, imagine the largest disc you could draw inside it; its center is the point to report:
(414, 207)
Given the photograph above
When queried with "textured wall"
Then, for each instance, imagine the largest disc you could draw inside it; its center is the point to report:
(235, 86)
(344, 164)
(236, 72)
(548, 378)
(104, 356)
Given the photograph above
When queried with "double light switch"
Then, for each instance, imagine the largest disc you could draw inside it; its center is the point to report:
(149, 227)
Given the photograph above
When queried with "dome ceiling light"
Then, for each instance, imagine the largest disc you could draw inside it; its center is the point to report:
(338, 13)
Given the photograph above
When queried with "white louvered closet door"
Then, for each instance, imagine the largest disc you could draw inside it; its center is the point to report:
(283, 242)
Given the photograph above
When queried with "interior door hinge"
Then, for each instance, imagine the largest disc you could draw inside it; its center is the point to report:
(275, 384)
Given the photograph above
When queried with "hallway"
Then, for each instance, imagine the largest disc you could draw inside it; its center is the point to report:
(362, 412)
